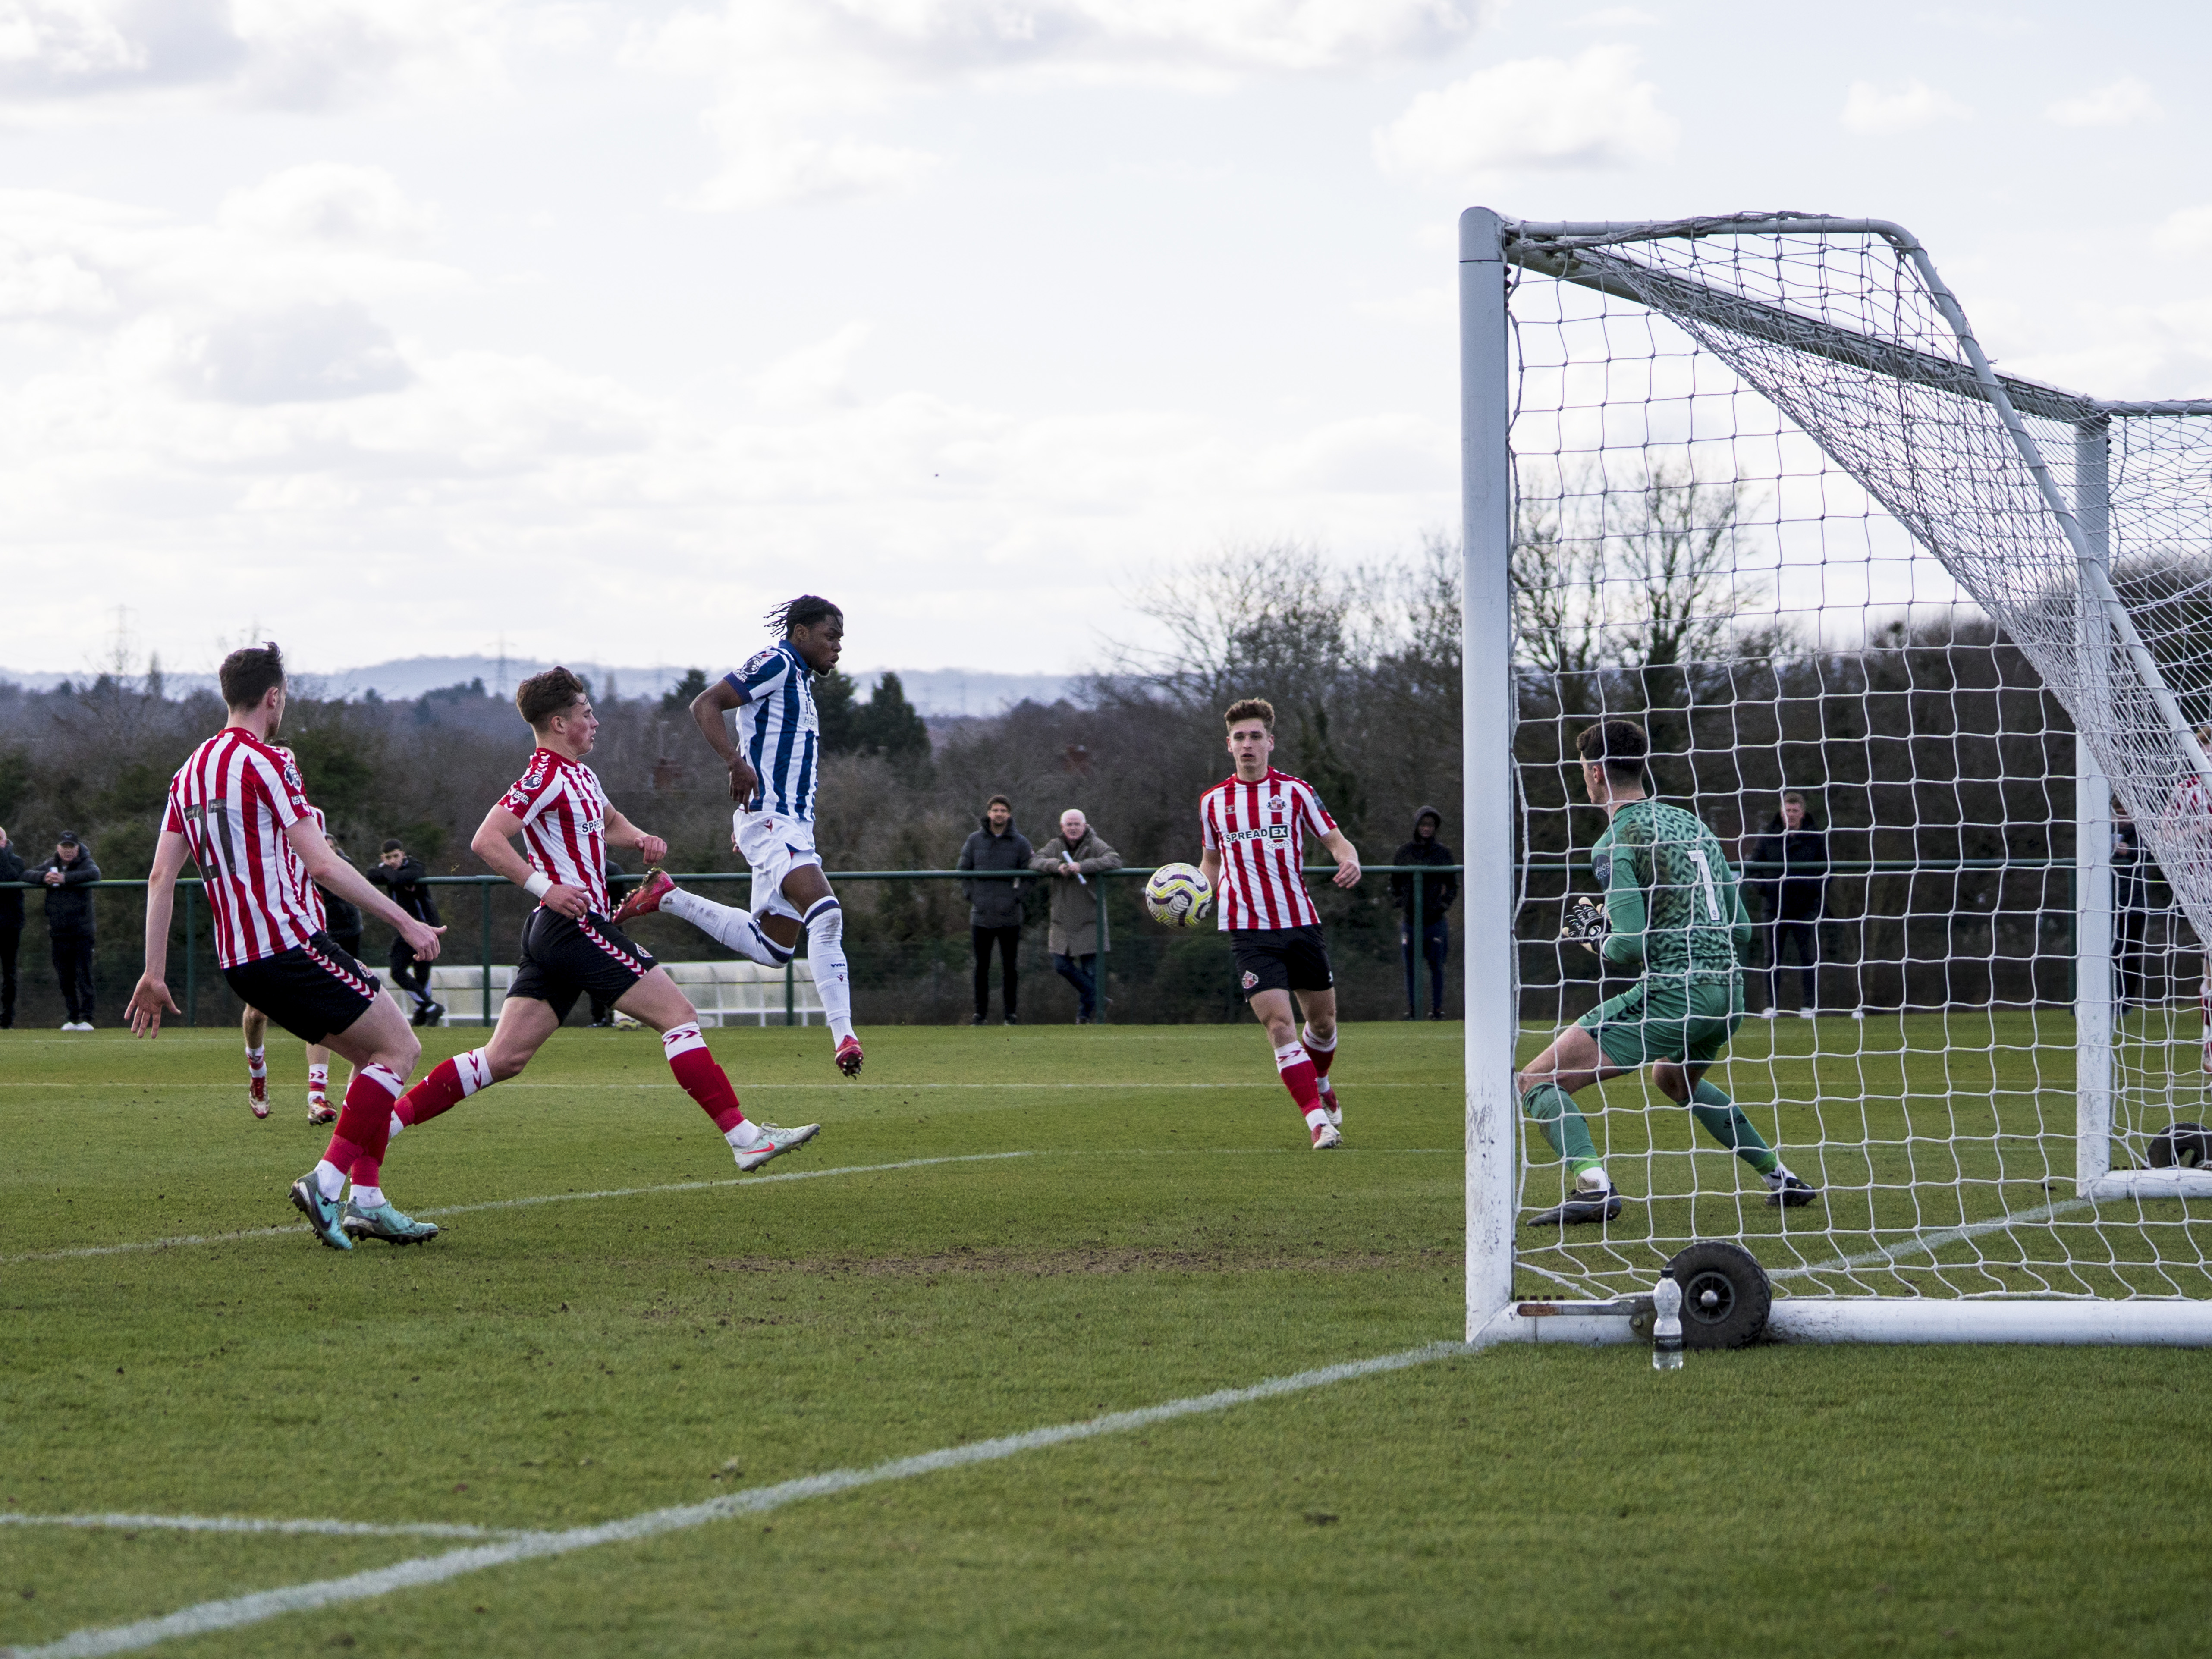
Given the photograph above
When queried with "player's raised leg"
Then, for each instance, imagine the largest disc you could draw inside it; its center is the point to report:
(255, 1028)
(733, 928)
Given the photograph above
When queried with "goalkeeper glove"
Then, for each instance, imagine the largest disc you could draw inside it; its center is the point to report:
(1586, 923)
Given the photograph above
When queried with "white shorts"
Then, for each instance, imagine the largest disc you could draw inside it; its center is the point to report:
(775, 845)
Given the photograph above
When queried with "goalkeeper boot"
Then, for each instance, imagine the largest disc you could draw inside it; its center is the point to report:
(646, 900)
(386, 1222)
(1785, 1191)
(322, 1212)
(1592, 1200)
(773, 1143)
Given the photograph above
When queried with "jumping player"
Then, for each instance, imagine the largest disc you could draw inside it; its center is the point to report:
(237, 808)
(773, 770)
(1254, 827)
(569, 946)
(1672, 907)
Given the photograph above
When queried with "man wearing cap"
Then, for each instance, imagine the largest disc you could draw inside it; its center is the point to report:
(68, 878)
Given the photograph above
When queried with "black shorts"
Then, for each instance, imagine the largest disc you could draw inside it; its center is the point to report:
(1281, 959)
(311, 990)
(562, 959)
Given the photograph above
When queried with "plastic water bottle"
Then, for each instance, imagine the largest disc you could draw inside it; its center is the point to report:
(1667, 1326)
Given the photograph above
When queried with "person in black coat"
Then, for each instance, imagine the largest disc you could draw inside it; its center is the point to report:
(1438, 892)
(1791, 878)
(994, 908)
(401, 877)
(68, 878)
(11, 928)
(2130, 910)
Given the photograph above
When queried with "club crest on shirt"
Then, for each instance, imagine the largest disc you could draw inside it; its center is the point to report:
(755, 663)
(1276, 803)
(1601, 867)
(1251, 979)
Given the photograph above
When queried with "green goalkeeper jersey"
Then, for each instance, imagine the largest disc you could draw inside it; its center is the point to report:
(1672, 904)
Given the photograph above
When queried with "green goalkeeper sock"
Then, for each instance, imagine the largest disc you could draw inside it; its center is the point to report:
(1724, 1119)
(1563, 1125)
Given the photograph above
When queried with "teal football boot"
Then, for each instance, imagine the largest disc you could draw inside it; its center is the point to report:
(387, 1223)
(322, 1212)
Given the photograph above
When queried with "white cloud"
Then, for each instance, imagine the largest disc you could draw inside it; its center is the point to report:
(815, 376)
(1618, 17)
(1872, 112)
(2122, 101)
(2186, 230)
(1536, 112)
(785, 70)
(326, 203)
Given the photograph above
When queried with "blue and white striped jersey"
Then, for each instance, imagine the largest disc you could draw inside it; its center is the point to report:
(779, 730)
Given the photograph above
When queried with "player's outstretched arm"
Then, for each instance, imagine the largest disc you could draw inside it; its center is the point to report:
(326, 869)
(151, 995)
(494, 842)
(621, 832)
(707, 711)
(1347, 856)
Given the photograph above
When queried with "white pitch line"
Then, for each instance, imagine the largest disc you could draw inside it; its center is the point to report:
(242, 1610)
(250, 1523)
(520, 1203)
(1929, 1243)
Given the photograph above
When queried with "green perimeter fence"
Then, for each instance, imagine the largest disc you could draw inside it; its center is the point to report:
(1908, 933)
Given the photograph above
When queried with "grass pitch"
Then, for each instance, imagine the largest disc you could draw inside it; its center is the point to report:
(1164, 1234)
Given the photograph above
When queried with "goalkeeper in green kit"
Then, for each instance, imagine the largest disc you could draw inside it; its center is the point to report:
(1673, 907)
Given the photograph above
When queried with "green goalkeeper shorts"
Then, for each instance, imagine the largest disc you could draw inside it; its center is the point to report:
(1688, 1021)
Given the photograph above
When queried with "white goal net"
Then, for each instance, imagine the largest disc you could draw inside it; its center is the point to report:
(1928, 648)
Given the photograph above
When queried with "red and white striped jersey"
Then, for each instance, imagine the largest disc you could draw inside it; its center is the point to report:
(564, 823)
(232, 802)
(1259, 830)
(311, 897)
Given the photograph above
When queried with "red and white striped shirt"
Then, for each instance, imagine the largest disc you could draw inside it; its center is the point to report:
(310, 895)
(1259, 830)
(564, 823)
(232, 802)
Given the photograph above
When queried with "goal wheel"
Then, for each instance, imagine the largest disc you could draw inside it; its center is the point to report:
(1725, 1295)
(2187, 1145)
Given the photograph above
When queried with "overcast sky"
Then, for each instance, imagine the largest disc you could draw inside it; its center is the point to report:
(389, 327)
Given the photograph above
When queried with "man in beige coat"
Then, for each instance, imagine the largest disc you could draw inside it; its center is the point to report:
(1070, 859)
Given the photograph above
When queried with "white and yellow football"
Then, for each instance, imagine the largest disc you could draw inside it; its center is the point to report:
(1178, 895)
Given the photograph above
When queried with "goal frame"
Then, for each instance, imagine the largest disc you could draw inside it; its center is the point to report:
(1488, 243)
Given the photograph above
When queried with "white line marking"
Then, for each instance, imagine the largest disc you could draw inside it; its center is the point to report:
(249, 1524)
(240, 1611)
(520, 1203)
(1929, 1243)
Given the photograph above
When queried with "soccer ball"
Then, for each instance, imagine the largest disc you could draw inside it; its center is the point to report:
(1178, 895)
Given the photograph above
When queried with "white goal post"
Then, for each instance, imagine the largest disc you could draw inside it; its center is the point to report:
(1793, 410)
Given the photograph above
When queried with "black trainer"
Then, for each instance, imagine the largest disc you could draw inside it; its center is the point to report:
(1581, 1209)
(1791, 1194)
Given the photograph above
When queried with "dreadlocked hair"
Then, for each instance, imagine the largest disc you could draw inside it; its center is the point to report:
(804, 611)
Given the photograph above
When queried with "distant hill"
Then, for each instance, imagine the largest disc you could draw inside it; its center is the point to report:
(936, 693)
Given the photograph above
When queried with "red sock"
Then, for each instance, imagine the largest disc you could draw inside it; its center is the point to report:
(364, 1123)
(702, 1076)
(1322, 1058)
(449, 1084)
(1300, 1077)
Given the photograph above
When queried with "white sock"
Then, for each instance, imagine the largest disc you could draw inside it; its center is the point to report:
(319, 1079)
(369, 1198)
(727, 925)
(257, 1062)
(330, 1179)
(1593, 1180)
(1316, 1117)
(746, 1136)
(825, 956)
(397, 1125)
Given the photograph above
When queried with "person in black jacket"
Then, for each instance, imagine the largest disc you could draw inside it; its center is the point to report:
(401, 877)
(994, 908)
(68, 878)
(1438, 892)
(12, 929)
(1792, 882)
(2131, 911)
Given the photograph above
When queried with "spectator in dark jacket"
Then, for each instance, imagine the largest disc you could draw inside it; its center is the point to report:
(341, 917)
(2130, 910)
(1791, 876)
(68, 878)
(11, 928)
(994, 908)
(1438, 892)
(401, 877)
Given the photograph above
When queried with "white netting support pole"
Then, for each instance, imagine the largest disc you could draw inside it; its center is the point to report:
(1487, 658)
(2093, 819)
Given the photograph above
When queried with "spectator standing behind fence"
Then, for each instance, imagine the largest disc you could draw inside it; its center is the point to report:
(994, 908)
(1792, 860)
(68, 878)
(1438, 892)
(11, 928)
(1070, 859)
(2130, 910)
(401, 877)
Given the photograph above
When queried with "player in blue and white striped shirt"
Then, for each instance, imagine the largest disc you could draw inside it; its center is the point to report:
(773, 766)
